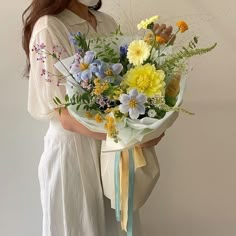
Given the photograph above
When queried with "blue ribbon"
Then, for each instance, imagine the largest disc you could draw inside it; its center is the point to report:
(131, 190)
(131, 193)
(117, 185)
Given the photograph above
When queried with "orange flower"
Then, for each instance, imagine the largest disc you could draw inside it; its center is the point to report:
(182, 26)
(160, 39)
(98, 118)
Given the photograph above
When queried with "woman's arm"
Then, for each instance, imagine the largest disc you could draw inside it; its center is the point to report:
(70, 124)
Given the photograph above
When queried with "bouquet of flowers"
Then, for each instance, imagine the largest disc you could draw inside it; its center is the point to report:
(131, 89)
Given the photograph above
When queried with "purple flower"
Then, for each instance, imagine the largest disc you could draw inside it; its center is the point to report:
(83, 67)
(72, 38)
(123, 50)
(103, 101)
(132, 103)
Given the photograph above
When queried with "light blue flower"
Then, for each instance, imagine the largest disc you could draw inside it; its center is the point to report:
(132, 103)
(83, 67)
(110, 72)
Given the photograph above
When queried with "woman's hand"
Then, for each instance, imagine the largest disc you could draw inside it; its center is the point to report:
(164, 32)
(152, 142)
(70, 124)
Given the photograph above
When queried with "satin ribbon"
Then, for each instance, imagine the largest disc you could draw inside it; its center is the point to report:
(117, 185)
(126, 162)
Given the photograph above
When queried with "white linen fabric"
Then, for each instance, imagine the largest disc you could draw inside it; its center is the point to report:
(69, 173)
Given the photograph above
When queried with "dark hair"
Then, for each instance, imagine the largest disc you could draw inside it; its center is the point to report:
(37, 9)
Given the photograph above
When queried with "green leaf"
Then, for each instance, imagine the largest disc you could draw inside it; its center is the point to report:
(67, 98)
(77, 107)
(195, 39)
(55, 101)
(58, 100)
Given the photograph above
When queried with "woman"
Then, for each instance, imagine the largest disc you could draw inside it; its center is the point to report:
(70, 183)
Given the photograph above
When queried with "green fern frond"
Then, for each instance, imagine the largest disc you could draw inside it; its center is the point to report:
(173, 61)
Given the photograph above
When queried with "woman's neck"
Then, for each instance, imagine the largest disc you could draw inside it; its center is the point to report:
(83, 11)
(79, 9)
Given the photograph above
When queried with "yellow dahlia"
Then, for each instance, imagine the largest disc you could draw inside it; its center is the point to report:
(144, 23)
(138, 52)
(146, 79)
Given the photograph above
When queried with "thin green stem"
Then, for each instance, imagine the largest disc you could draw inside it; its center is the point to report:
(58, 59)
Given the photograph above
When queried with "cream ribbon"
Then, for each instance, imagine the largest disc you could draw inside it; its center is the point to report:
(139, 161)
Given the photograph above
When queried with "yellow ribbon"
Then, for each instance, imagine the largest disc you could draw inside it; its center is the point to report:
(139, 161)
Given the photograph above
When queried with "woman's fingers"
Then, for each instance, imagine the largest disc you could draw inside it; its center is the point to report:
(164, 32)
(155, 27)
(160, 29)
(167, 32)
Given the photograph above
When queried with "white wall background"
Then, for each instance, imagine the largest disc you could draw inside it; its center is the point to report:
(196, 194)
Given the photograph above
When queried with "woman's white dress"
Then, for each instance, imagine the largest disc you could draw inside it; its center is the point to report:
(72, 200)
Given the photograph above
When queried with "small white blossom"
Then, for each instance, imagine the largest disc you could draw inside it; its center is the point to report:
(152, 113)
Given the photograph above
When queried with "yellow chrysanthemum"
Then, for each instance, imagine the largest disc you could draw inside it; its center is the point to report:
(146, 79)
(138, 52)
(144, 23)
(182, 26)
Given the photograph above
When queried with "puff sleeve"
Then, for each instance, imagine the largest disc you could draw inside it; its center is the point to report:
(43, 87)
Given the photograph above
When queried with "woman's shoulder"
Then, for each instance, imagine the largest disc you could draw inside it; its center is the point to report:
(47, 23)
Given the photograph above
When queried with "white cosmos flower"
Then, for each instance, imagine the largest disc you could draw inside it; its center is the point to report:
(132, 103)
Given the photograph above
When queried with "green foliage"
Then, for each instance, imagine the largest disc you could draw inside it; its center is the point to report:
(85, 100)
(82, 42)
(160, 114)
(106, 49)
(118, 31)
(175, 59)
